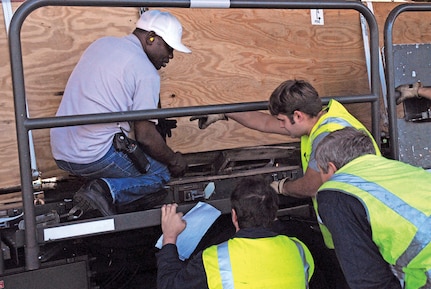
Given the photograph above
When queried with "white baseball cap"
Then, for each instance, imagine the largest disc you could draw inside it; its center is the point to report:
(165, 25)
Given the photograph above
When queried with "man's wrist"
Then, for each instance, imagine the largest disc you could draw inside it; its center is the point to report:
(174, 159)
(419, 92)
(169, 240)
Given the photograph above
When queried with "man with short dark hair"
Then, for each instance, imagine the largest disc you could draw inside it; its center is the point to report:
(297, 111)
(255, 257)
(378, 212)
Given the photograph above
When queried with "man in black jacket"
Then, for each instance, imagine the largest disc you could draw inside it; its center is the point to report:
(254, 255)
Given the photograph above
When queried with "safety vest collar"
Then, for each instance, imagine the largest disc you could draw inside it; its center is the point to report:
(225, 265)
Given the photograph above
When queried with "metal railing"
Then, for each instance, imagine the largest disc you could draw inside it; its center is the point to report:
(25, 124)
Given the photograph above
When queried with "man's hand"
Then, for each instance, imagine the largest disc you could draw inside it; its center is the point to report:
(172, 223)
(178, 165)
(407, 91)
(278, 185)
(206, 120)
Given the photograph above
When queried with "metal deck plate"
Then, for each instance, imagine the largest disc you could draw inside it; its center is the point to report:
(414, 143)
(412, 63)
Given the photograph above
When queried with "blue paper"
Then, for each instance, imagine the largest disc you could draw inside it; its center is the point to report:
(199, 219)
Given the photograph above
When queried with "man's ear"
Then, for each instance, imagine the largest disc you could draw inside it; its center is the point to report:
(297, 115)
(324, 177)
(332, 168)
(150, 37)
(235, 220)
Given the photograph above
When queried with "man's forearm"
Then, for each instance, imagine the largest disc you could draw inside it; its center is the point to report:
(172, 273)
(425, 92)
(299, 189)
(153, 143)
(160, 152)
(257, 120)
(168, 265)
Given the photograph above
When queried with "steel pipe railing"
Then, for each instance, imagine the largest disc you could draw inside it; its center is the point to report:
(25, 124)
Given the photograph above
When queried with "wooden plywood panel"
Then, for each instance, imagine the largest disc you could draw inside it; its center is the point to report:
(53, 39)
(238, 55)
(242, 55)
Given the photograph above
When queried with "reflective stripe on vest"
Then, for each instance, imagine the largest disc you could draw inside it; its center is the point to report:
(225, 266)
(396, 198)
(422, 237)
(336, 118)
(292, 267)
(305, 262)
(332, 124)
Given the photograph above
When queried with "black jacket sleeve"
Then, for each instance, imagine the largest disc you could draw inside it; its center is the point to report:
(172, 273)
(359, 257)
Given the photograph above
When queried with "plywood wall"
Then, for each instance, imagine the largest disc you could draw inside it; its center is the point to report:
(238, 55)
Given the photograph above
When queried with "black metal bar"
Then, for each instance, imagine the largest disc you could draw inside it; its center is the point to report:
(49, 122)
(389, 74)
(152, 217)
(24, 124)
(136, 220)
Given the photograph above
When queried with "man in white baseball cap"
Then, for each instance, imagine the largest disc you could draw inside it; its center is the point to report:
(164, 25)
(117, 74)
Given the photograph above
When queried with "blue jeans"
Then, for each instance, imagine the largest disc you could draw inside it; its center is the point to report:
(126, 183)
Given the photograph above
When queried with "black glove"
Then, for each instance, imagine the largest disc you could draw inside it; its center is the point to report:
(165, 126)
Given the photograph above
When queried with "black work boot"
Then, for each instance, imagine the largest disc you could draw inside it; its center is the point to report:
(95, 195)
(147, 201)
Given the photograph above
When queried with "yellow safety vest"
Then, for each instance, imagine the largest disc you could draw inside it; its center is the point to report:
(273, 262)
(336, 118)
(397, 199)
